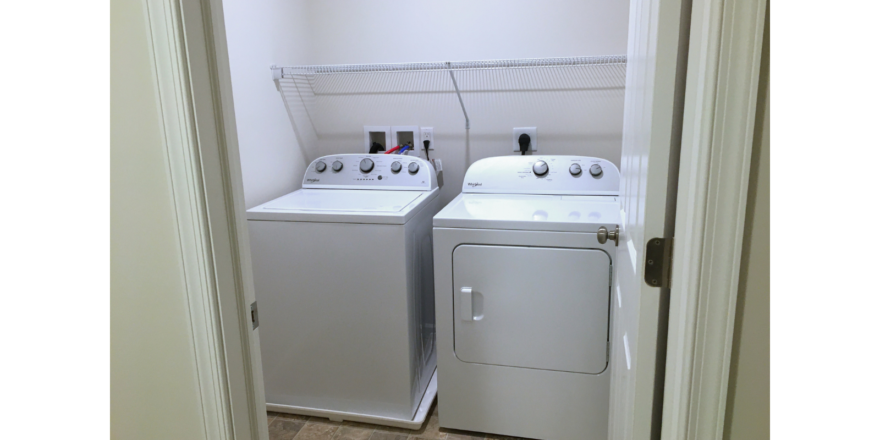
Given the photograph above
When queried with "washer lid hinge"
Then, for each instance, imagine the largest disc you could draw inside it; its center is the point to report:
(658, 262)
(255, 315)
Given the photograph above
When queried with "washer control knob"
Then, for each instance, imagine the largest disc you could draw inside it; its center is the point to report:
(596, 170)
(337, 166)
(540, 168)
(321, 166)
(575, 170)
(366, 166)
(413, 168)
(395, 167)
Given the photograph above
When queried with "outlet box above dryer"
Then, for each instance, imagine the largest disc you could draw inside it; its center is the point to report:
(533, 138)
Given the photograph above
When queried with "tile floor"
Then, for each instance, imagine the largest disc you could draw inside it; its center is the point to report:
(295, 427)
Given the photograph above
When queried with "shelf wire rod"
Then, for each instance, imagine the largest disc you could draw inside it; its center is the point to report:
(467, 120)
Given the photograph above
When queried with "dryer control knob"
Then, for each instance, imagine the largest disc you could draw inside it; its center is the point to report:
(575, 170)
(596, 170)
(321, 166)
(395, 167)
(337, 166)
(540, 168)
(366, 166)
(413, 168)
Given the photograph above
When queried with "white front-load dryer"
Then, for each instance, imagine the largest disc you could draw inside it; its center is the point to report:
(344, 282)
(523, 294)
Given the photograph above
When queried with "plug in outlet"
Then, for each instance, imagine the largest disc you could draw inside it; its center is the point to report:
(533, 138)
(427, 135)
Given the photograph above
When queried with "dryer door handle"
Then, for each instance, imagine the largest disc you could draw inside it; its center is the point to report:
(467, 304)
(470, 306)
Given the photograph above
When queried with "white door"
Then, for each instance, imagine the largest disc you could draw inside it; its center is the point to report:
(656, 61)
(553, 316)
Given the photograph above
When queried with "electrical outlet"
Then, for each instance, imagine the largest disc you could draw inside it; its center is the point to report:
(533, 135)
(427, 135)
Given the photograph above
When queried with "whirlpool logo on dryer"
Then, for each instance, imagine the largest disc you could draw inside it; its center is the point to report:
(474, 184)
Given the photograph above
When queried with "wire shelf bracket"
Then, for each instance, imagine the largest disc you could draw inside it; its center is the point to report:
(279, 73)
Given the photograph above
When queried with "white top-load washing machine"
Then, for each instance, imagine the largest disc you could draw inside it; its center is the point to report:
(344, 282)
(523, 288)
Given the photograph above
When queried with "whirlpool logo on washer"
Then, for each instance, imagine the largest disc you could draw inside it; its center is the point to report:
(474, 184)
(313, 180)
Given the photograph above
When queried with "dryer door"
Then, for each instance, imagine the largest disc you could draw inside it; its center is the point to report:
(531, 307)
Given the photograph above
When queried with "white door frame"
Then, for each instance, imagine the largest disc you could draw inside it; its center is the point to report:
(195, 91)
(724, 61)
(191, 64)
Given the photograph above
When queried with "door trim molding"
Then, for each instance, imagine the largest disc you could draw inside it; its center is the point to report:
(194, 91)
(724, 63)
(181, 149)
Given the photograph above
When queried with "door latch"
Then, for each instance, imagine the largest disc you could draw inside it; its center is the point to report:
(604, 234)
(255, 316)
(658, 262)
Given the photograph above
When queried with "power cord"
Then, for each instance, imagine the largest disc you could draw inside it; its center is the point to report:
(427, 142)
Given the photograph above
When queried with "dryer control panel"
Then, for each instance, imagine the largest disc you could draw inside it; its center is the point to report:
(371, 171)
(563, 175)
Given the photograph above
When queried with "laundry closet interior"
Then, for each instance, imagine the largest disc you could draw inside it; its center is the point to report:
(320, 82)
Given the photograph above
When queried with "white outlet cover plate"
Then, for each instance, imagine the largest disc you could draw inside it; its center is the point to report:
(533, 134)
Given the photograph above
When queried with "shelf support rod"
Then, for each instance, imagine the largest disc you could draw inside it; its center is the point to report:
(467, 120)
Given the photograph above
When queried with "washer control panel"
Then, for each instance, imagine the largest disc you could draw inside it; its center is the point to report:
(370, 171)
(566, 175)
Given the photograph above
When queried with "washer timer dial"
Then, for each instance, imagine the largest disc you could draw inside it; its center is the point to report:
(366, 166)
(337, 166)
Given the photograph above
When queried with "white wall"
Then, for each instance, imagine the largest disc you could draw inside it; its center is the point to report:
(261, 33)
(575, 113)
(395, 31)
(154, 390)
(748, 395)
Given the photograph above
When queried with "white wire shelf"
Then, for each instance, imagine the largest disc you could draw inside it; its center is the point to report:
(279, 73)
(287, 72)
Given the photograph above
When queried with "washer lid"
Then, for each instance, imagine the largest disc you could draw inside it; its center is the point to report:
(530, 212)
(344, 206)
(340, 200)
